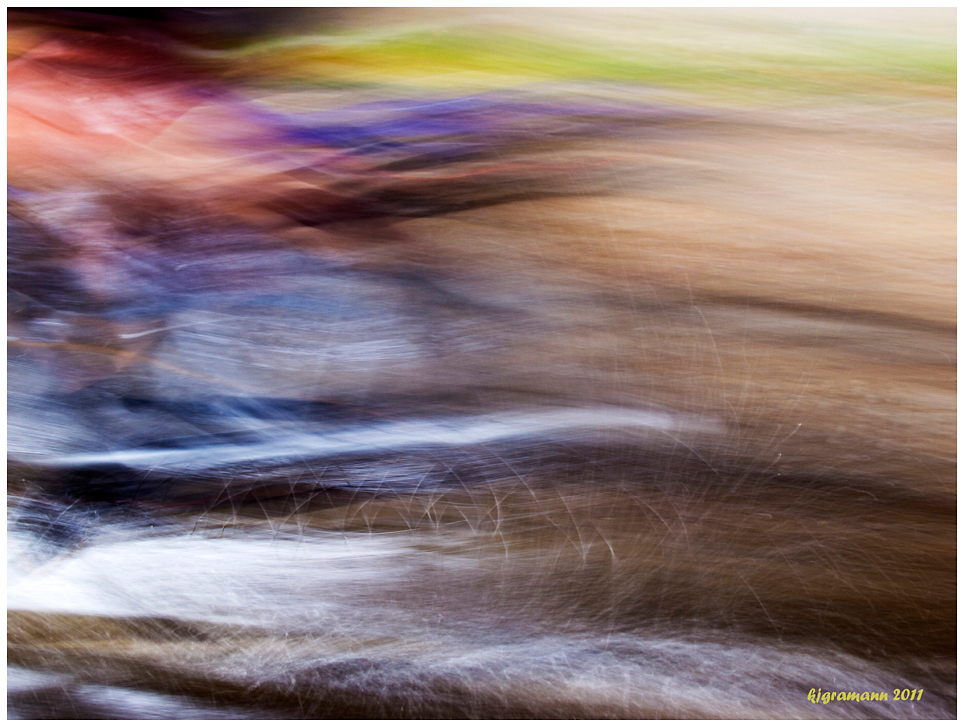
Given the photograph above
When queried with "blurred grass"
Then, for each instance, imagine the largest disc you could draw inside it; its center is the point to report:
(724, 58)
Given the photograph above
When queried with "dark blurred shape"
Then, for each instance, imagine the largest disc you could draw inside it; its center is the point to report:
(216, 28)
